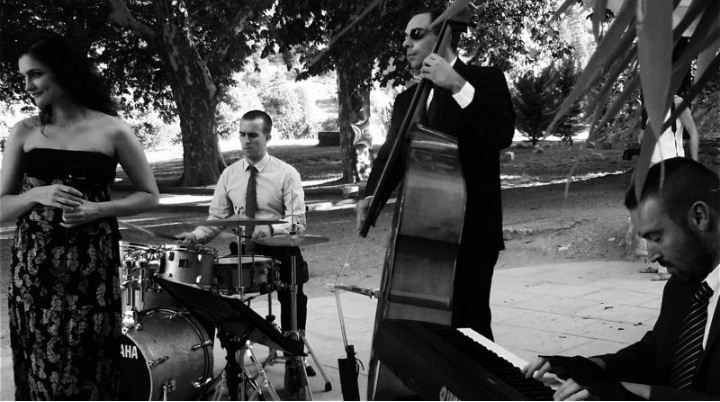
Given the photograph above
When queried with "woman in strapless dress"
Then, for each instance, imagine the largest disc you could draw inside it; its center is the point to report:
(57, 170)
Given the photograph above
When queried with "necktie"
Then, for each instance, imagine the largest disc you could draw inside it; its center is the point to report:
(433, 106)
(689, 344)
(251, 204)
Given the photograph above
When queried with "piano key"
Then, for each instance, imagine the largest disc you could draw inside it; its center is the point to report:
(514, 359)
(434, 361)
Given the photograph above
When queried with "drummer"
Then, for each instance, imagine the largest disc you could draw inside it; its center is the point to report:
(263, 187)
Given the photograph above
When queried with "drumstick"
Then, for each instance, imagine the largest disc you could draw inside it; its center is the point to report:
(147, 231)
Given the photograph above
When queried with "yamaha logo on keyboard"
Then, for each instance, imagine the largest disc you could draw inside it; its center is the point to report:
(447, 395)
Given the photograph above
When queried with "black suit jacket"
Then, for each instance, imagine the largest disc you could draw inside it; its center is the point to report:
(483, 128)
(649, 361)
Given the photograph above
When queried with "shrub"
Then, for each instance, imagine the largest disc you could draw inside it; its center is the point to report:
(330, 124)
(537, 99)
(571, 123)
(534, 102)
(286, 105)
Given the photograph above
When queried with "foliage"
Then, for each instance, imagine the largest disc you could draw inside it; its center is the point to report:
(147, 133)
(538, 96)
(329, 124)
(501, 34)
(373, 32)
(534, 102)
(266, 85)
(508, 34)
(572, 123)
(643, 34)
(285, 104)
(311, 29)
(171, 56)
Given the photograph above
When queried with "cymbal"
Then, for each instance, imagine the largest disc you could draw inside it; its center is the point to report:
(238, 220)
(292, 240)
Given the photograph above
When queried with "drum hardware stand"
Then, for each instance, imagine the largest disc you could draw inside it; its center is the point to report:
(296, 364)
(131, 318)
(233, 380)
(240, 234)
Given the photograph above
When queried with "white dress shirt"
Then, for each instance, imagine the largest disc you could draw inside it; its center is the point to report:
(670, 143)
(279, 196)
(463, 98)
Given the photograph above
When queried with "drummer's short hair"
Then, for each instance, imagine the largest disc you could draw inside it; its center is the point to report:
(259, 114)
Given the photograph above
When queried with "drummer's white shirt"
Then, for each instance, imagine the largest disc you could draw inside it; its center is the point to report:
(278, 188)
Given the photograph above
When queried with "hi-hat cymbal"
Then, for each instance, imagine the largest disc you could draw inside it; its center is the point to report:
(292, 240)
(239, 220)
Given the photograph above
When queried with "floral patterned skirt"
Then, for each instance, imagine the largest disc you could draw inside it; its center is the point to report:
(64, 304)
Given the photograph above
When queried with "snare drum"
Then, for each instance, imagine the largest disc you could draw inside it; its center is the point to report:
(168, 357)
(259, 275)
(184, 264)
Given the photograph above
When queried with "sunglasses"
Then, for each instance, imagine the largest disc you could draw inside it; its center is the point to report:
(417, 33)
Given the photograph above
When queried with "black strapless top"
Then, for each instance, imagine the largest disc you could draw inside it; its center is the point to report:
(85, 170)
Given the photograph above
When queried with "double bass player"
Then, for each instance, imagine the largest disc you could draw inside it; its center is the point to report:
(473, 105)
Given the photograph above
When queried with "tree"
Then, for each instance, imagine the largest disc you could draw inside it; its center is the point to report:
(372, 35)
(514, 34)
(305, 27)
(572, 123)
(534, 102)
(176, 56)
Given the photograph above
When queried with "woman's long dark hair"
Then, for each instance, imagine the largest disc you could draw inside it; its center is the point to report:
(72, 71)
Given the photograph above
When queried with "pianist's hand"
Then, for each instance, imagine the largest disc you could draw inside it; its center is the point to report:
(571, 391)
(537, 369)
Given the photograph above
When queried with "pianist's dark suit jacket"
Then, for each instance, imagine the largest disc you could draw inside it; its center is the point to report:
(649, 361)
(483, 128)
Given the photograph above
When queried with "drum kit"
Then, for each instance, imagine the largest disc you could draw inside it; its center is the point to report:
(167, 348)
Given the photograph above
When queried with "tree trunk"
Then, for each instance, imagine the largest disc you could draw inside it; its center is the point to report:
(202, 160)
(354, 106)
(195, 96)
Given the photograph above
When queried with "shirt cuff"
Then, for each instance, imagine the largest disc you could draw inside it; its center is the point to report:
(465, 96)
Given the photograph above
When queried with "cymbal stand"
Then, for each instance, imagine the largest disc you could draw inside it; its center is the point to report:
(296, 380)
(239, 288)
(296, 334)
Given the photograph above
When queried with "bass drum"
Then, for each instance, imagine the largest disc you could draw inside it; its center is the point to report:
(168, 356)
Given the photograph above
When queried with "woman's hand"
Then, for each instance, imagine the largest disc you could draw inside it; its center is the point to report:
(58, 196)
(86, 212)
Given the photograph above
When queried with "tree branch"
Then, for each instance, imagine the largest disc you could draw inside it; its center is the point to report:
(122, 16)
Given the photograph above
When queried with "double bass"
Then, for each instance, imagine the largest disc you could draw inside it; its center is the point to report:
(419, 270)
(415, 351)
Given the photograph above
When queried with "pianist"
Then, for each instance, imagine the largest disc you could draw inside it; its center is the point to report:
(679, 358)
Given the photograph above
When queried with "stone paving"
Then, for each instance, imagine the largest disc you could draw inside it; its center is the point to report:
(571, 308)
